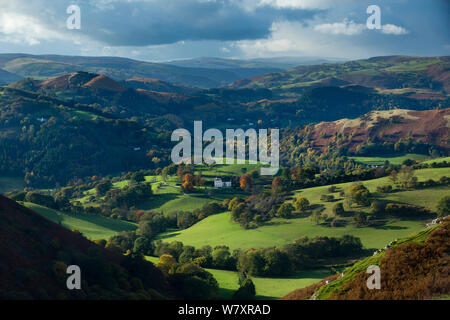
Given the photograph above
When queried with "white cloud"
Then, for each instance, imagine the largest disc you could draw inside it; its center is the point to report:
(296, 39)
(393, 29)
(298, 4)
(345, 27)
(19, 28)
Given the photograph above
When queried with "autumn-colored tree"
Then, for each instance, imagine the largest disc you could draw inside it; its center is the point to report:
(246, 182)
(188, 184)
(234, 202)
(277, 185)
(139, 214)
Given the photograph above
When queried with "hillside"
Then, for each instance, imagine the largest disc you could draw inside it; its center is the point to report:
(132, 99)
(157, 85)
(34, 254)
(416, 267)
(417, 77)
(93, 227)
(39, 135)
(382, 134)
(219, 229)
(431, 127)
(7, 77)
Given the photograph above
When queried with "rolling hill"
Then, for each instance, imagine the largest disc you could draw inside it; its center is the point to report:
(7, 77)
(157, 85)
(386, 133)
(219, 229)
(389, 126)
(39, 135)
(418, 77)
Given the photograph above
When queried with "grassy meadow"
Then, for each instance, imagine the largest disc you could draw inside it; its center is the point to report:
(220, 230)
(397, 160)
(266, 288)
(92, 227)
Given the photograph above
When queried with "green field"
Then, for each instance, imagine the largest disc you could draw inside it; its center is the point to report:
(219, 170)
(220, 230)
(92, 227)
(439, 160)
(379, 161)
(266, 288)
(169, 196)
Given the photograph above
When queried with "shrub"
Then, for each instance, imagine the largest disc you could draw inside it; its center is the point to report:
(405, 210)
(285, 210)
(246, 291)
(338, 209)
(41, 199)
(302, 204)
(384, 189)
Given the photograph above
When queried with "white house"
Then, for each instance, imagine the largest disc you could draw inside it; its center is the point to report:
(218, 183)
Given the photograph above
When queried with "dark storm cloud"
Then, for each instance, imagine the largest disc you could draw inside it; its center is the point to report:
(156, 22)
(165, 22)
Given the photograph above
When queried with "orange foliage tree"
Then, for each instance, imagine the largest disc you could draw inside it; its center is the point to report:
(188, 182)
(246, 182)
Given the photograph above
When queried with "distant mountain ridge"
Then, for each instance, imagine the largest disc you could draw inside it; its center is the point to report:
(25, 65)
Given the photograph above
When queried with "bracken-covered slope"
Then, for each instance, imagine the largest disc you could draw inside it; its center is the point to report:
(430, 126)
(413, 268)
(376, 132)
(35, 252)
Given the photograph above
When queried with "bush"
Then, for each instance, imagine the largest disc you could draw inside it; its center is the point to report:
(327, 197)
(384, 189)
(338, 209)
(378, 207)
(41, 199)
(405, 210)
(302, 204)
(246, 291)
(103, 186)
(285, 210)
(359, 194)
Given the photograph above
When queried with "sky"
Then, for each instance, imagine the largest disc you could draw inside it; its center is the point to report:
(162, 30)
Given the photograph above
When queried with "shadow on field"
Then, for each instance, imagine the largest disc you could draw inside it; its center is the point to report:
(158, 201)
(389, 227)
(167, 236)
